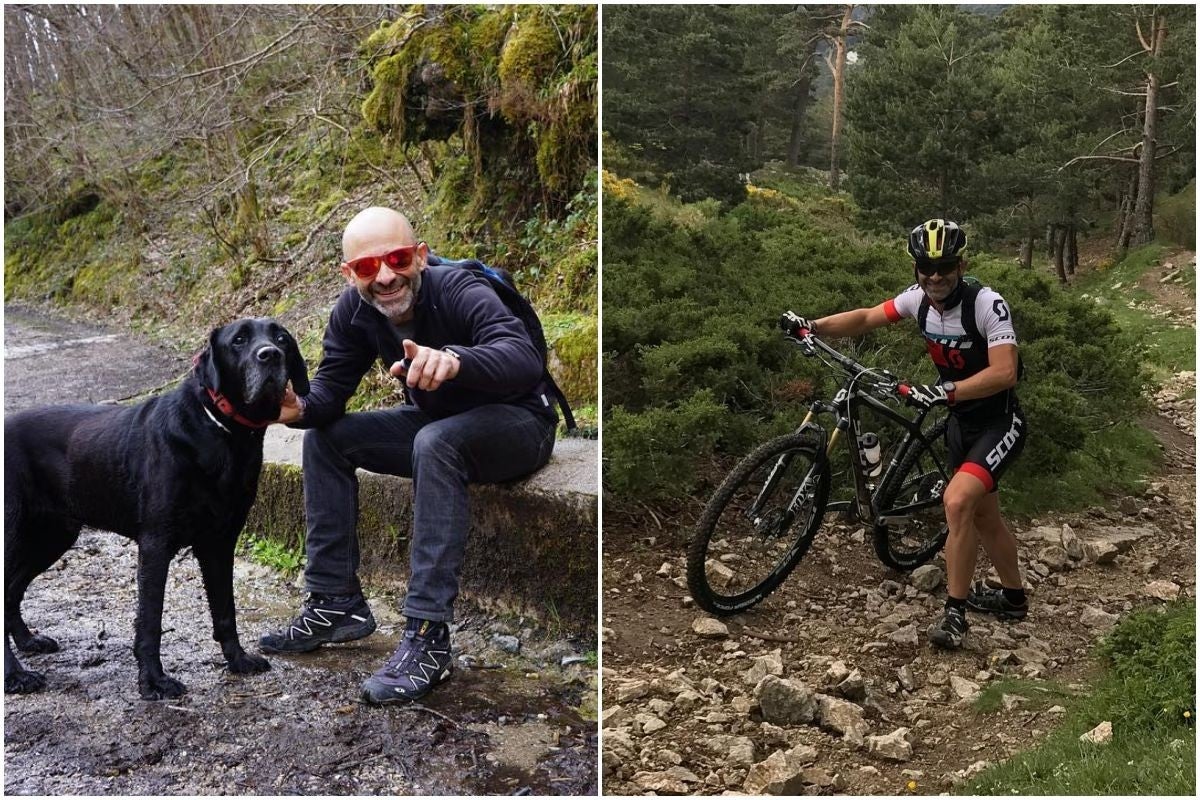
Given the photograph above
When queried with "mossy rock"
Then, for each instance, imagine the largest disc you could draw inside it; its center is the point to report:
(531, 550)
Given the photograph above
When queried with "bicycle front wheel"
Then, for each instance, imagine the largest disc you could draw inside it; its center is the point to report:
(758, 525)
(911, 525)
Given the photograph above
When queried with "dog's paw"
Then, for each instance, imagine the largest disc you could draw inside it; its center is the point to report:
(246, 664)
(23, 682)
(160, 688)
(37, 644)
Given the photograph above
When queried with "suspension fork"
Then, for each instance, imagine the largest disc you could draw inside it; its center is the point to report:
(781, 464)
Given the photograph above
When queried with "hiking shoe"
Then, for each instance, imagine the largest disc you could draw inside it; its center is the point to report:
(323, 619)
(987, 600)
(421, 661)
(949, 631)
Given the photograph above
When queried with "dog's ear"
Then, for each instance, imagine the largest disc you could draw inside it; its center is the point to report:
(206, 367)
(297, 369)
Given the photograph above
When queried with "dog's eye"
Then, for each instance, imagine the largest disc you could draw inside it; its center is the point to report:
(239, 339)
(282, 338)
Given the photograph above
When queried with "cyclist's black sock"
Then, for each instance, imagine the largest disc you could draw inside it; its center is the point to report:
(1015, 596)
(954, 602)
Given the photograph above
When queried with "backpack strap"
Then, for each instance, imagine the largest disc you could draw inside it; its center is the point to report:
(505, 287)
(970, 295)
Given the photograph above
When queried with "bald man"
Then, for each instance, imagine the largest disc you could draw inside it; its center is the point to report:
(476, 412)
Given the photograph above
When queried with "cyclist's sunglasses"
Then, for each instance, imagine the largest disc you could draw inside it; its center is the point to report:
(941, 267)
(368, 267)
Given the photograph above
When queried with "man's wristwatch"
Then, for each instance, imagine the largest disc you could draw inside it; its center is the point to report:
(948, 387)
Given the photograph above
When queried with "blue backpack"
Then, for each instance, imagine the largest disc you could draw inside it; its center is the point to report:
(502, 283)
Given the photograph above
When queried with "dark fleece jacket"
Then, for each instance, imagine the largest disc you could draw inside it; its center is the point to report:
(455, 310)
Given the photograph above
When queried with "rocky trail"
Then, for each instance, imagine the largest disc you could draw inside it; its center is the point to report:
(513, 719)
(830, 687)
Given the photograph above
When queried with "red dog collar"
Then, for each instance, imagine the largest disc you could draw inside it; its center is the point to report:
(224, 406)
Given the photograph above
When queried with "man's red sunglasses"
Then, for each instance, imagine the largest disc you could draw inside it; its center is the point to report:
(368, 267)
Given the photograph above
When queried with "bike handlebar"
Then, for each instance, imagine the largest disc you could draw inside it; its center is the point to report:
(809, 343)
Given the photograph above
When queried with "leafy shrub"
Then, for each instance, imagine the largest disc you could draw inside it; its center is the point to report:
(1152, 655)
(689, 331)
(1175, 217)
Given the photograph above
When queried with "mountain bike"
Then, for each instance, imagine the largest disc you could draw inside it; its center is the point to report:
(764, 516)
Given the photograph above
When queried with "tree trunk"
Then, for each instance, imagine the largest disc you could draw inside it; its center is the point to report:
(1072, 248)
(799, 111)
(1027, 249)
(1143, 211)
(1060, 240)
(1125, 215)
(839, 92)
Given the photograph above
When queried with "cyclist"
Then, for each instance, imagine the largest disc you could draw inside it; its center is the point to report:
(969, 334)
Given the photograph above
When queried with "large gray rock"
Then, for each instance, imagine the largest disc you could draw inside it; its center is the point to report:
(718, 574)
(1072, 544)
(854, 687)
(781, 773)
(1101, 552)
(632, 690)
(709, 628)
(762, 666)
(670, 781)
(906, 636)
(785, 702)
(1103, 544)
(614, 717)
(894, 747)
(1097, 619)
(736, 751)
(963, 688)
(926, 577)
(1054, 557)
(841, 717)
(1101, 734)
(1161, 590)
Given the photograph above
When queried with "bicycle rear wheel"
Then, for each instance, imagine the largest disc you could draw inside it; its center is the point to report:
(741, 549)
(910, 502)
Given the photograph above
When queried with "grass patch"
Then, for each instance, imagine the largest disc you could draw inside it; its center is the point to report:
(1147, 692)
(272, 554)
(1166, 348)
(1041, 695)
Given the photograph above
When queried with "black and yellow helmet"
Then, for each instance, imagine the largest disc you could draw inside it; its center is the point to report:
(937, 240)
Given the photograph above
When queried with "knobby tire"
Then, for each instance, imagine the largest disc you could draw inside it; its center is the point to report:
(898, 480)
(710, 598)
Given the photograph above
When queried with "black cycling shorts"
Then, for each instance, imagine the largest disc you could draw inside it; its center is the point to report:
(986, 449)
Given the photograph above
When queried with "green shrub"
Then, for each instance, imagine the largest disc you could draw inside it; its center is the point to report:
(1175, 217)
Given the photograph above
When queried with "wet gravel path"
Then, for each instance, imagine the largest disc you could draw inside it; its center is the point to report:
(513, 726)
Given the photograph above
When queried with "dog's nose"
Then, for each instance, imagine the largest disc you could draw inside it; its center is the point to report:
(269, 354)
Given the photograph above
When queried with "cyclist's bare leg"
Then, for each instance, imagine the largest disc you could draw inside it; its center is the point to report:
(962, 498)
(997, 540)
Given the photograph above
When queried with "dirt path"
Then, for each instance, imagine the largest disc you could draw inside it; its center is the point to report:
(513, 726)
(680, 710)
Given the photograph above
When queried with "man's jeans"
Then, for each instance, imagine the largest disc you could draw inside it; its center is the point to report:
(484, 445)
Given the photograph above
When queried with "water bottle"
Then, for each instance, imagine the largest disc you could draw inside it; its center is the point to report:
(872, 458)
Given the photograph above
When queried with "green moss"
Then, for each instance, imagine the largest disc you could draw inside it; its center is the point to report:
(574, 349)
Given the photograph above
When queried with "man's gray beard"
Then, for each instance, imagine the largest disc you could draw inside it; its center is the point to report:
(393, 312)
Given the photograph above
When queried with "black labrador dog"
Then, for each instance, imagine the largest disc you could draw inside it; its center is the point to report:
(175, 471)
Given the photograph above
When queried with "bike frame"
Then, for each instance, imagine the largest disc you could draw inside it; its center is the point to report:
(845, 408)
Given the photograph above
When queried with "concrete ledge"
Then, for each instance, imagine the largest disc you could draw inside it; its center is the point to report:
(532, 544)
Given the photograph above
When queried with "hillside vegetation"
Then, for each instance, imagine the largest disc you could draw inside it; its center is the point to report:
(696, 370)
(180, 196)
